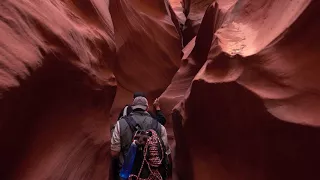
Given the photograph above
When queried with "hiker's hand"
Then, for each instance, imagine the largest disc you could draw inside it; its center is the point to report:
(156, 104)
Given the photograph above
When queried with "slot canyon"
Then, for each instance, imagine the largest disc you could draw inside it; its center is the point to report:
(237, 81)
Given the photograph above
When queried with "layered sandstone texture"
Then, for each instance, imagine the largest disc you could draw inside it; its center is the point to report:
(241, 77)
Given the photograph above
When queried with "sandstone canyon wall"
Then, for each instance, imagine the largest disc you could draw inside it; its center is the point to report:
(241, 76)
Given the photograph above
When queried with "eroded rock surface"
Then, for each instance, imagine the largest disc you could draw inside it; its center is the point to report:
(56, 88)
(248, 100)
(148, 45)
(242, 77)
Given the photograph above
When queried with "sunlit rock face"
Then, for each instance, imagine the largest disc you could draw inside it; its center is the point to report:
(241, 76)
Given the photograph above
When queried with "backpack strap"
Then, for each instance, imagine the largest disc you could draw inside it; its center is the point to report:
(155, 125)
(132, 123)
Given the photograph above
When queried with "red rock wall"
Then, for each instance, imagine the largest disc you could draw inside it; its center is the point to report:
(244, 86)
(57, 88)
(250, 111)
(148, 46)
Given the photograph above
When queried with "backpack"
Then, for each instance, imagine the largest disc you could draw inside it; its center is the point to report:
(151, 161)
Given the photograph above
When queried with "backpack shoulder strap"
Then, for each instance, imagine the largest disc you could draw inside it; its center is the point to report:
(154, 126)
(132, 123)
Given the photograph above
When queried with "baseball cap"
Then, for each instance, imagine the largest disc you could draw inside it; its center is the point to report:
(140, 103)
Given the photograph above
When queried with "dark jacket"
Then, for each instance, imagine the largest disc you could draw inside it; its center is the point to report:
(158, 116)
(144, 120)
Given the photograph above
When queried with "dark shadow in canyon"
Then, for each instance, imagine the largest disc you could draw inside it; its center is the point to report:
(57, 105)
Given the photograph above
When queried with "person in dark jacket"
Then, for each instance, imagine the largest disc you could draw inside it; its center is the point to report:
(158, 116)
(122, 135)
(126, 111)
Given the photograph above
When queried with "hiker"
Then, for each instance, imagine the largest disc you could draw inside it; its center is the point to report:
(158, 116)
(147, 133)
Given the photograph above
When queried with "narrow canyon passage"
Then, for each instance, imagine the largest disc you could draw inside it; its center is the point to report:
(237, 81)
